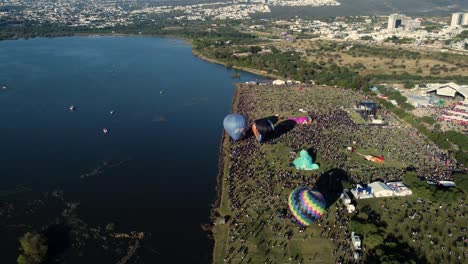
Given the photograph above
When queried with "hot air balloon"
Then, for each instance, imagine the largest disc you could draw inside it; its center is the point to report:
(262, 128)
(305, 162)
(306, 205)
(303, 120)
(235, 124)
(375, 159)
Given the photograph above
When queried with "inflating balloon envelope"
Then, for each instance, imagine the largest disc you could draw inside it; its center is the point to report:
(262, 128)
(305, 161)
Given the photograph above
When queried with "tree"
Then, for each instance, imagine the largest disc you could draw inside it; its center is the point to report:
(374, 239)
(255, 49)
(110, 227)
(33, 248)
(408, 85)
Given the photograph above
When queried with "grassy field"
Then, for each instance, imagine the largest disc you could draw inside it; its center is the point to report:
(418, 224)
(257, 179)
(380, 59)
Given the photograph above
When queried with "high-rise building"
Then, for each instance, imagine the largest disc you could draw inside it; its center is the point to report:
(459, 19)
(399, 22)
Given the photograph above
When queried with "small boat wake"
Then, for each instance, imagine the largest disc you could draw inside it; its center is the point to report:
(196, 101)
(103, 166)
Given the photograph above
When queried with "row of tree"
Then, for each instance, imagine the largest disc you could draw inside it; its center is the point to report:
(33, 248)
(284, 64)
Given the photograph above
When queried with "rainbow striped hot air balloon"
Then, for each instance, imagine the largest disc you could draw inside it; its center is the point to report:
(306, 205)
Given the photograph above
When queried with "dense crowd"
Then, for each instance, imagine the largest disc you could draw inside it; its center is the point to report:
(438, 113)
(259, 179)
(333, 131)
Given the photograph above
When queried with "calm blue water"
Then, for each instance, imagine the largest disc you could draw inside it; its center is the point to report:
(162, 150)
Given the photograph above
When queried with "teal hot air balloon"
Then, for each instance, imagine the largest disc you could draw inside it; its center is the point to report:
(235, 125)
(305, 162)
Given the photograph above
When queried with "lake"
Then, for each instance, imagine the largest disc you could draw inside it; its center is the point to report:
(155, 169)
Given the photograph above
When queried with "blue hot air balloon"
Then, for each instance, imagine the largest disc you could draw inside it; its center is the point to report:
(235, 124)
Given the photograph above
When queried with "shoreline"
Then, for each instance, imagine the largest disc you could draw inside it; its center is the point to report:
(218, 210)
(251, 70)
(187, 41)
(221, 159)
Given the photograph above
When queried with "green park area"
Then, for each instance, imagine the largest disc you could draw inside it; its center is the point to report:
(253, 223)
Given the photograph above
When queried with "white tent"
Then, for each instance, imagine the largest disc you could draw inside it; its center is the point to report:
(279, 82)
(450, 89)
(380, 189)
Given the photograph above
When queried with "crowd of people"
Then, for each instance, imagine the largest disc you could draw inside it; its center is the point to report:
(260, 177)
(452, 116)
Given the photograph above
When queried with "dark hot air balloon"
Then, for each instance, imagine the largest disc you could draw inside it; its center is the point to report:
(262, 128)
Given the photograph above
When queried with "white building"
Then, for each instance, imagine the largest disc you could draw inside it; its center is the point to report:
(449, 90)
(279, 82)
(459, 19)
(399, 189)
(350, 208)
(362, 192)
(380, 189)
(345, 198)
(399, 21)
(356, 241)
(447, 183)
(377, 121)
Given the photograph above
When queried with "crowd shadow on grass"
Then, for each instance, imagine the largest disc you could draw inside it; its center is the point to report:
(283, 127)
(58, 239)
(313, 154)
(330, 184)
(393, 250)
(373, 218)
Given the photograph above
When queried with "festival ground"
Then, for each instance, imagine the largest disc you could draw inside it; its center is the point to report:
(257, 178)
